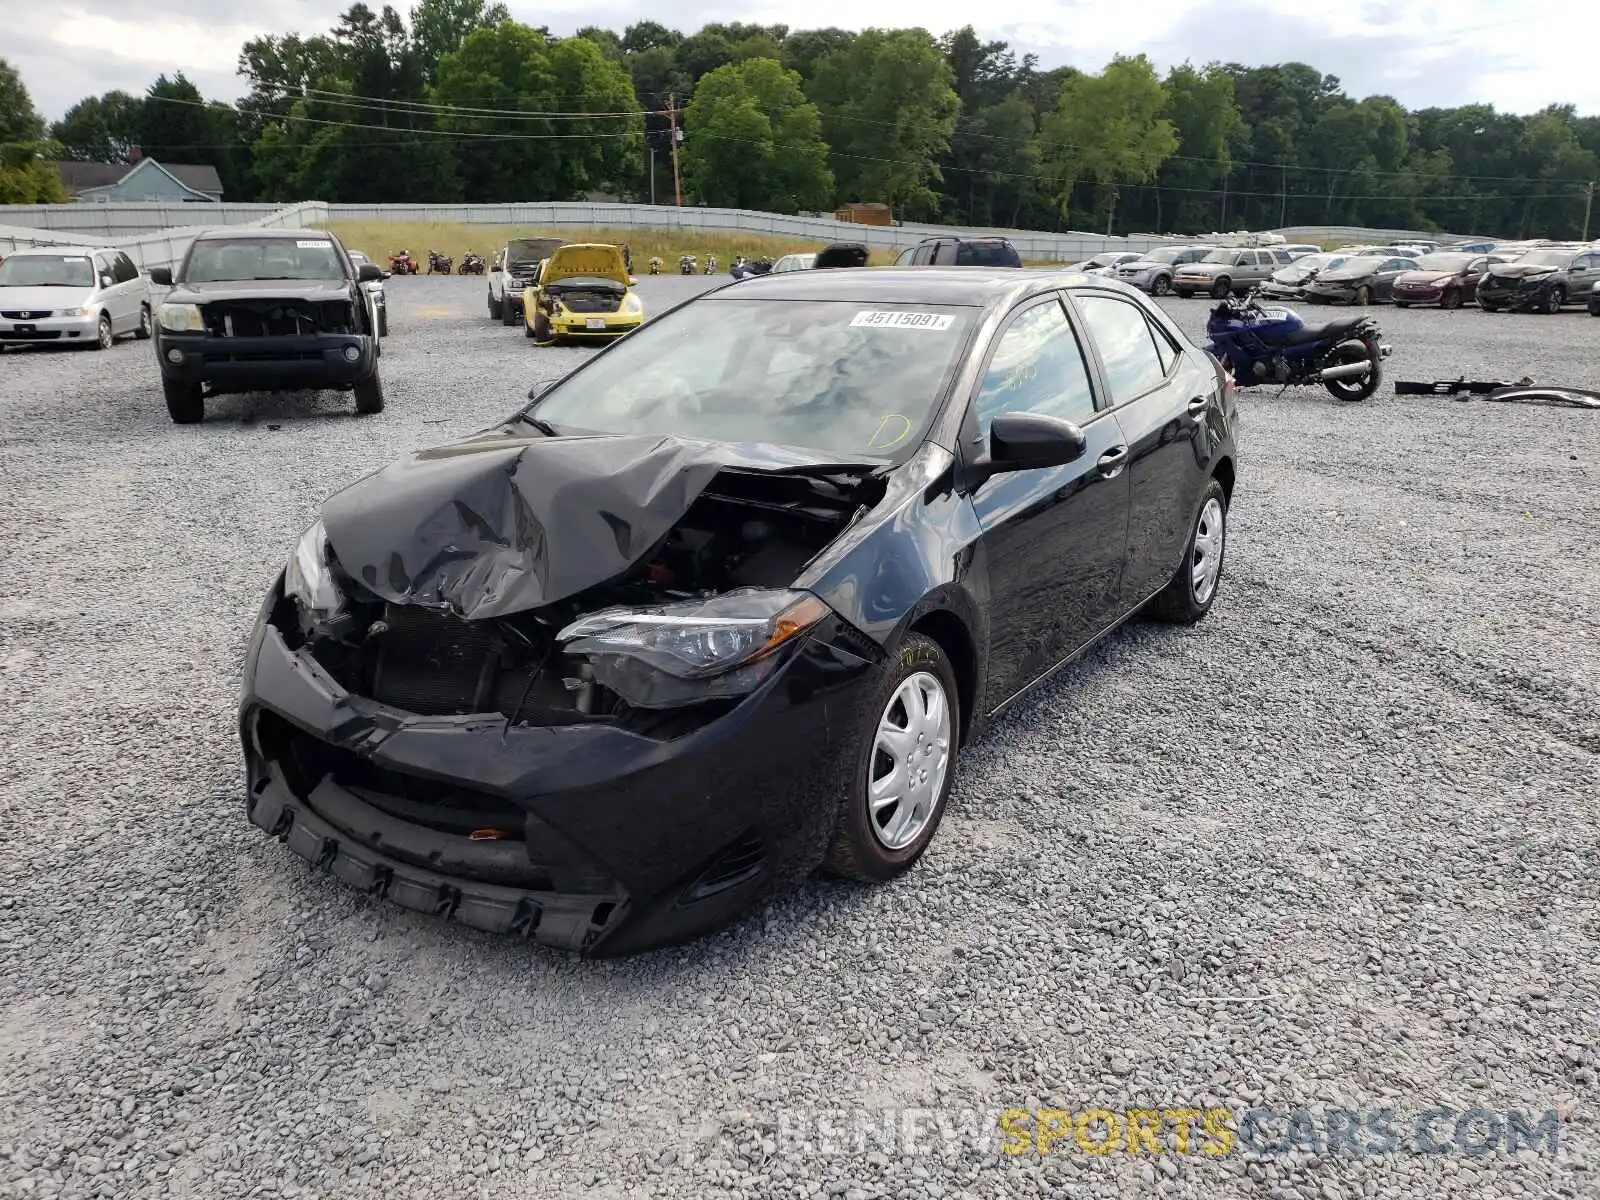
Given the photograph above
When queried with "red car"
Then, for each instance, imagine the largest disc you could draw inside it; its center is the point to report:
(1446, 279)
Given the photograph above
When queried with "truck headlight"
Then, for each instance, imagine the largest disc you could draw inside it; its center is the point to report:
(180, 318)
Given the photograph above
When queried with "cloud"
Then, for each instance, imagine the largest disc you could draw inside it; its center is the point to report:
(1429, 52)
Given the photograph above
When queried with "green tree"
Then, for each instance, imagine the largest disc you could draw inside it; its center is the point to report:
(1109, 128)
(99, 128)
(755, 141)
(649, 35)
(438, 27)
(19, 120)
(1200, 105)
(703, 53)
(888, 109)
(804, 48)
(518, 70)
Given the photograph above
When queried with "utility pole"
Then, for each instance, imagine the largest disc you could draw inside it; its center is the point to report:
(1588, 206)
(652, 174)
(677, 136)
(1222, 226)
(1111, 209)
(1283, 206)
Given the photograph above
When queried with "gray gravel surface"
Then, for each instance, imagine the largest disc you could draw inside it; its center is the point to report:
(1336, 845)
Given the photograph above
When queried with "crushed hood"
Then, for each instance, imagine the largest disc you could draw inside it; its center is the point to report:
(586, 261)
(501, 523)
(1519, 270)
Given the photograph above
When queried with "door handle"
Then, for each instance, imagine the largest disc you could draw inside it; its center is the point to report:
(1198, 405)
(1112, 461)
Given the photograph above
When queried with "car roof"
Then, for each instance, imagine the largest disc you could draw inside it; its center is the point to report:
(230, 232)
(75, 251)
(973, 287)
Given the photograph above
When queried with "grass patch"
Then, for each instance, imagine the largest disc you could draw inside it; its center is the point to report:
(379, 239)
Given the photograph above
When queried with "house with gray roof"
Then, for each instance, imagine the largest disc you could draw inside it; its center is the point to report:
(146, 180)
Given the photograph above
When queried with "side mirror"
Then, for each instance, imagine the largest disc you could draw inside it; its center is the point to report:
(369, 273)
(107, 280)
(161, 275)
(494, 268)
(1023, 441)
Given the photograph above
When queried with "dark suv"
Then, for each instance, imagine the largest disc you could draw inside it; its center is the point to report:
(266, 310)
(960, 252)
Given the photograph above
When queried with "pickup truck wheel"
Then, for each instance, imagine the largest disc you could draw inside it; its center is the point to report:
(494, 308)
(508, 313)
(383, 322)
(185, 401)
(1222, 288)
(369, 395)
(143, 332)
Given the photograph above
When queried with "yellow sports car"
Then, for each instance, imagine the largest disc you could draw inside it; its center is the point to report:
(584, 291)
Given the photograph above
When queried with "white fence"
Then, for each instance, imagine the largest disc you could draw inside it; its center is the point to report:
(158, 234)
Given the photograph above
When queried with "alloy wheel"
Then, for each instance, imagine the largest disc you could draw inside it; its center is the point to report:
(910, 758)
(1205, 561)
(104, 333)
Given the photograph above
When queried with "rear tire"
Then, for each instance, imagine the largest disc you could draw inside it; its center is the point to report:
(369, 394)
(186, 403)
(1354, 390)
(916, 692)
(145, 326)
(1193, 587)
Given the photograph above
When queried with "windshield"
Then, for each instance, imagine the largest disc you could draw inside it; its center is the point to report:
(1547, 258)
(1443, 262)
(262, 258)
(1103, 260)
(1166, 256)
(1221, 256)
(830, 375)
(1361, 262)
(1303, 267)
(47, 270)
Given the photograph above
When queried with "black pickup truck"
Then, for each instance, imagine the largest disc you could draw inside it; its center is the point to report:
(266, 310)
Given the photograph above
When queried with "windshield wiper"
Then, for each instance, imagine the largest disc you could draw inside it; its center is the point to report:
(541, 425)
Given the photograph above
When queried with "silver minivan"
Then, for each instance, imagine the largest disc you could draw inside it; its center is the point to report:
(72, 295)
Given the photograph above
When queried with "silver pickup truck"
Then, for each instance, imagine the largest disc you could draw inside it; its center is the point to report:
(1227, 271)
(513, 271)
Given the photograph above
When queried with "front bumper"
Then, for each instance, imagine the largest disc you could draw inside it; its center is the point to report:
(627, 842)
(1521, 296)
(596, 325)
(1194, 283)
(1426, 294)
(1328, 294)
(1281, 291)
(50, 329)
(266, 363)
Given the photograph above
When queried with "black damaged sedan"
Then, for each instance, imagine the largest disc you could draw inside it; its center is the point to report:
(723, 605)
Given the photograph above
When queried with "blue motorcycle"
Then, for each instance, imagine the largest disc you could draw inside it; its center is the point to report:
(1265, 344)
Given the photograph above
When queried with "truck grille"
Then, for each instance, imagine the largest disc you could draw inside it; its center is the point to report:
(277, 318)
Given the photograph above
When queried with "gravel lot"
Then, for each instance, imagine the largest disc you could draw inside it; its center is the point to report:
(1356, 807)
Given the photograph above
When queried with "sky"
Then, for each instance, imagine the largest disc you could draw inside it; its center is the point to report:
(1519, 55)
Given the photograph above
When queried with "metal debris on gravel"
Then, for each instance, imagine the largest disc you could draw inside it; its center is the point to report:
(1337, 845)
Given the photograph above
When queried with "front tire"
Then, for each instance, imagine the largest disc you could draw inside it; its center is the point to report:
(1193, 587)
(1451, 298)
(369, 394)
(383, 322)
(508, 313)
(103, 337)
(146, 327)
(1222, 288)
(185, 401)
(1363, 295)
(905, 767)
(1161, 286)
(1554, 301)
(494, 308)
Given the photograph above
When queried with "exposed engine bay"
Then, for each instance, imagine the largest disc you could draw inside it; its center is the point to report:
(586, 296)
(278, 318)
(744, 530)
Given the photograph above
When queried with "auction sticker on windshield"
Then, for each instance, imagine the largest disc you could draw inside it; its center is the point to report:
(872, 319)
(313, 245)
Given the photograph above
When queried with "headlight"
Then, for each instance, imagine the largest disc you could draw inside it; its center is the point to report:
(308, 579)
(76, 312)
(632, 305)
(181, 318)
(697, 650)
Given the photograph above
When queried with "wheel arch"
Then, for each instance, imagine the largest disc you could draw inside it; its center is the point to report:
(1223, 474)
(955, 639)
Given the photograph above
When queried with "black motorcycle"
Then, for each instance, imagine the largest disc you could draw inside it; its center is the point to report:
(471, 264)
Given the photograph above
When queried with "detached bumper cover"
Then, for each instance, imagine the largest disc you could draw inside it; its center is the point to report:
(644, 842)
(308, 361)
